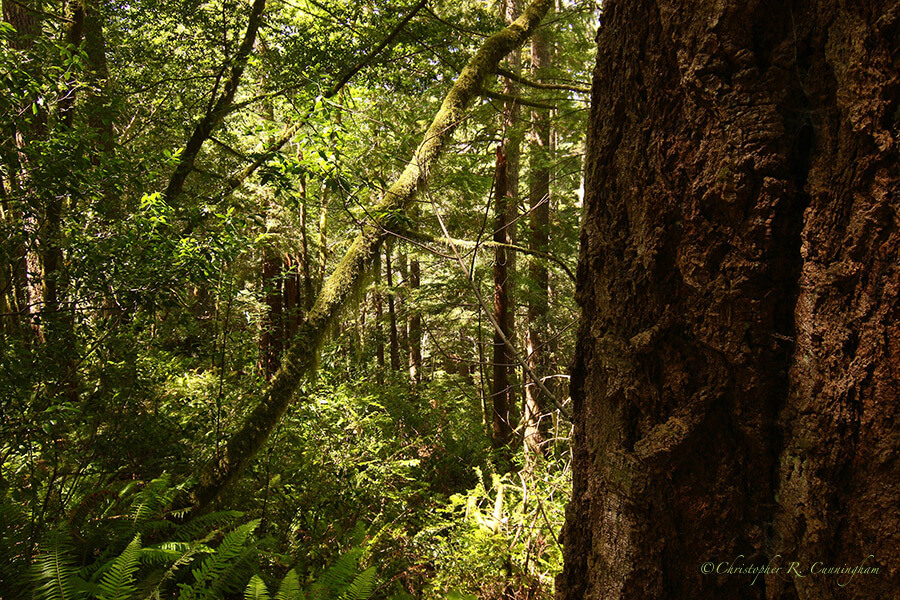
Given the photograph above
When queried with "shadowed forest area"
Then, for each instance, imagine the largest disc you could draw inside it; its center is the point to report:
(449, 299)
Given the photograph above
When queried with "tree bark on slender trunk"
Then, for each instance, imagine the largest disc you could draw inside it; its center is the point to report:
(415, 324)
(394, 335)
(506, 184)
(738, 361)
(208, 123)
(271, 339)
(538, 224)
(501, 424)
(379, 318)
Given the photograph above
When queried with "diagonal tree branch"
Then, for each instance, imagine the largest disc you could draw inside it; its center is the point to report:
(299, 360)
(214, 115)
(278, 143)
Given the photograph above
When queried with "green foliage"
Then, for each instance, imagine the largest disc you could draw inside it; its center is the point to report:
(118, 582)
(163, 302)
(290, 587)
(216, 568)
(256, 589)
(54, 571)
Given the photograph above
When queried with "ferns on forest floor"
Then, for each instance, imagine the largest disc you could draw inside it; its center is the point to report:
(184, 566)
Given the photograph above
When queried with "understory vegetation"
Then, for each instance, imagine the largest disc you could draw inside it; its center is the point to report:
(150, 286)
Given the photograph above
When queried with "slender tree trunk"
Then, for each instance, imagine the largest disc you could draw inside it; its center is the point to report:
(415, 324)
(272, 333)
(737, 370)
(538, 221)
(305, 261)
(32, 126)
(501, 424)
(299, 360)
(379, 319)
(323, 240)
(394, 335)
(506, 183)
(208, 123)
(402, 310)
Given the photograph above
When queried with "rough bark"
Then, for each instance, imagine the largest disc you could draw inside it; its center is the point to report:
(378, 308)
(506, 189)
(538, 223)
(271, 339)
(736, 375)
(299, 359)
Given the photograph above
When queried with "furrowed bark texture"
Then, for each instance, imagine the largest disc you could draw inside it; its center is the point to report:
(299, 359)
(736, 378)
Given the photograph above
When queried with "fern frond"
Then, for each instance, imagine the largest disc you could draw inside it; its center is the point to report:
(151, 501)
(184, 559)
(215, 565)
(362, 587)
(205, 523)
(54, 570)
(163, 553)
(290, 587)
(118, 582)
(256, 589)
(338, 576)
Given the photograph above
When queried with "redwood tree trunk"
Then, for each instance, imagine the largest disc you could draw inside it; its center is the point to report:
(736, 377)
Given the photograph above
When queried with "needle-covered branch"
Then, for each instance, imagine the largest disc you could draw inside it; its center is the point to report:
(299, 360)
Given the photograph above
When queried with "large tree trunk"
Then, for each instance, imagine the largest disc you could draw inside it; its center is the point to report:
(736, 377)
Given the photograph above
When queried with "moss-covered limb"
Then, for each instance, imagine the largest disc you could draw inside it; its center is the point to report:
(217, 112)
(299, 359)
(278, 143)
(424, 238)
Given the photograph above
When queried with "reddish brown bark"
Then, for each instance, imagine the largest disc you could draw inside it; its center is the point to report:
(736, 378)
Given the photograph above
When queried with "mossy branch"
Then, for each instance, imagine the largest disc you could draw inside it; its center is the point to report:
(299, 360)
